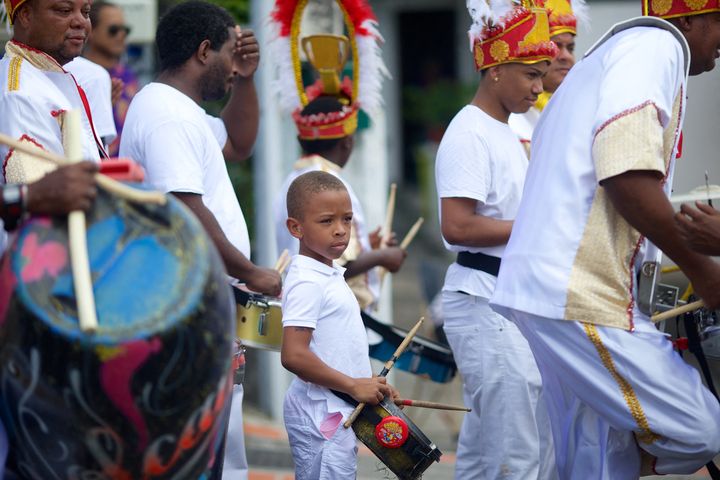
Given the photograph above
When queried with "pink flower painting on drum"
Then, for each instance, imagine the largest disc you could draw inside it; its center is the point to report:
(41, 259)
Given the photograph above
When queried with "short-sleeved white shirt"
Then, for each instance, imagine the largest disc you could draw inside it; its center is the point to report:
(571, 255)
(479, 158)
(316, 296)
(180, 147)
(96, 83)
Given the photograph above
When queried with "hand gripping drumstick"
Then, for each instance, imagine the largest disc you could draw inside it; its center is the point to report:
(437, 406)
(112, 186)
(386, 369)
(659, 317)
(77, 229)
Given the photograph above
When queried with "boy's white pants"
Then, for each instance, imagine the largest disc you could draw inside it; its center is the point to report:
(317, 457)
(609, 390)
(507, 435)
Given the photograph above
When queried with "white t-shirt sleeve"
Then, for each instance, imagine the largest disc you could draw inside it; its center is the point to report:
(463, 168)
(174, 157)
(302, 304)
(217, 125)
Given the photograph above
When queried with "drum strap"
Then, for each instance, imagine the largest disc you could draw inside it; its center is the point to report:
(479, 261)
(695, 347)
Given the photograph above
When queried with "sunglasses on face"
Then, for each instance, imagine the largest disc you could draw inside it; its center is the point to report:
(113, 30)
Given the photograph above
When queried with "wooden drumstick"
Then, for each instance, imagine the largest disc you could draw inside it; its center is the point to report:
(284, 265)
(388, 366)
(389, 215)
(78, 236)
(281, 260)
(404, 402)
(659, 317)
(411, 233)
(112, 186)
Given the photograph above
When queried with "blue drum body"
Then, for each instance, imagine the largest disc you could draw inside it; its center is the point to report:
(423, 357)
(148, 394)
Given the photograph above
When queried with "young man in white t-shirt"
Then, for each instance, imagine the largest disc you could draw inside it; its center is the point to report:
(324, 340)
(202, 55)
(480, 171)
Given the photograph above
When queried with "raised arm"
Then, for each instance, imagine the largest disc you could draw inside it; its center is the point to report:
(241, 113)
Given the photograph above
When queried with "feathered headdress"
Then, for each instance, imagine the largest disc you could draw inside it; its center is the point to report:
(509, 31)
(678, 8)
(566, 15)
(328, 54)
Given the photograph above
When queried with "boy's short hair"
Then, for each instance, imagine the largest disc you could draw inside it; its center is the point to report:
(306, 185)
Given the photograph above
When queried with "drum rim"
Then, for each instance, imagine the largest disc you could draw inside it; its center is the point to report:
(147, 326)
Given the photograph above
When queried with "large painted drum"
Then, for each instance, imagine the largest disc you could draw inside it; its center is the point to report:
(147, 395)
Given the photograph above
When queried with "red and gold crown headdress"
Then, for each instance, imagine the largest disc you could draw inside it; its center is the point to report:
(505, 31)
(8, 9)
(565, 15)
(328, 55)
(678, 8)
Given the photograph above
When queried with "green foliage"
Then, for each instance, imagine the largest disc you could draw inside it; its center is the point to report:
(240, 9)
(435, 105)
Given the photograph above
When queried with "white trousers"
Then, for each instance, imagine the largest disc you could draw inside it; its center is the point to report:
(235, 465)
(507, 434)
(609, 390)
(316, 456)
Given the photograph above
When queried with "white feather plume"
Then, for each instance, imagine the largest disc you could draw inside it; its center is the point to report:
(284, 83)
(485, 13)
(5, 18)
(581, 10)
(372, 68)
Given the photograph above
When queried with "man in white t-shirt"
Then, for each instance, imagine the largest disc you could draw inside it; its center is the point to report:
(622, 402)
(202, 55)
(480, 171)
(563, 17)
(95, 80)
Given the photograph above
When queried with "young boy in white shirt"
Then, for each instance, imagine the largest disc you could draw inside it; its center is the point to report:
(324, 341)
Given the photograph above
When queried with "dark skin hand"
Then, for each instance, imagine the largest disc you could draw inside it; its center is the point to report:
(390, 258)
(64, 190)
(639, 197)
(700, 228)
(257, 279)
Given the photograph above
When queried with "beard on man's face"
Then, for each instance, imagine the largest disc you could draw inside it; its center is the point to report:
(214, 83)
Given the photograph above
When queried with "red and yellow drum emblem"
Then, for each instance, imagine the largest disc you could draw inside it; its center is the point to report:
(392, 432)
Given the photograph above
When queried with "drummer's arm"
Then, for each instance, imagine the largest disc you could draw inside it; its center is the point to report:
(390, 258)
(258, 279)
(462, 226)
(639, 197)
(297, 357)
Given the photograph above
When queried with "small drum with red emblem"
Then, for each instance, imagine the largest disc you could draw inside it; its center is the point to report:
(390, 434)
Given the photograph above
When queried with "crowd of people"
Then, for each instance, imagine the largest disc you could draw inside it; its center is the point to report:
(553, 187)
